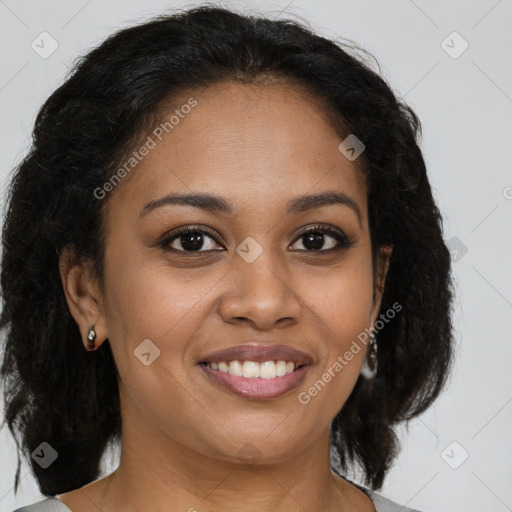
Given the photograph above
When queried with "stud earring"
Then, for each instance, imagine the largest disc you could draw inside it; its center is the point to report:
(91, 338)
(369, 368)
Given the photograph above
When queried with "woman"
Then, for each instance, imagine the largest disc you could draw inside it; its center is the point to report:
(222, 252)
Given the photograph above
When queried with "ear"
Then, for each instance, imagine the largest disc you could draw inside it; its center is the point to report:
(381, 271)
(82, 295)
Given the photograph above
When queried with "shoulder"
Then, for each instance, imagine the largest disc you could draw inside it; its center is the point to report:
(380, 503)
(386, 505)
(47, 505)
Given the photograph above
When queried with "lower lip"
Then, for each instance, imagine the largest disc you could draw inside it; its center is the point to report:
(257, 388)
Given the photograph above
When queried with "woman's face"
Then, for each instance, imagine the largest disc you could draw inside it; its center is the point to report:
(252, 280)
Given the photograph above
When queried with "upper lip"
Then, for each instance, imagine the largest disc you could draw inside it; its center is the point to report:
(258, 353)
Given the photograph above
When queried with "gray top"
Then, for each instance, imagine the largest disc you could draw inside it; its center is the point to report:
(54, 505)
(47, 505)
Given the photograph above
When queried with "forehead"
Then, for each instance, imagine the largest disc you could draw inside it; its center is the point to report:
(257, 145)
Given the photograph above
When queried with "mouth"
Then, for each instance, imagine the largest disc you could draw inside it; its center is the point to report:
(257, 372)
(232, 377)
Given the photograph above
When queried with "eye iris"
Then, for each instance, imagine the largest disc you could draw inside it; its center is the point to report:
(314, 241)
(192, 241)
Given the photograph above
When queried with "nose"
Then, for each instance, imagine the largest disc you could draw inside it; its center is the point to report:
(260, 293)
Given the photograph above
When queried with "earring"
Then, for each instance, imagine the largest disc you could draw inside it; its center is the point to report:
(369, 368)
(91, 338)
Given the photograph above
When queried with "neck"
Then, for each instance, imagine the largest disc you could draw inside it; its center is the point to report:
(192, 482)
(160, 470)
(154, 470)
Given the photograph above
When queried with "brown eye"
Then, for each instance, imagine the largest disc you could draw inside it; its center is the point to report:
(189, 240)
(315, 239)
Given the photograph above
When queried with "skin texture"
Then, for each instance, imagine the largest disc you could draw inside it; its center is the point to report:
(258, 147)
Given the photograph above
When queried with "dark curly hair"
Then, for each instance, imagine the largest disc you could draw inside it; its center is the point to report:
(55, 391)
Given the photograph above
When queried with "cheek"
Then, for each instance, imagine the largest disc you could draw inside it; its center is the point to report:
(342, 304)
(151, 301)
(344, 298)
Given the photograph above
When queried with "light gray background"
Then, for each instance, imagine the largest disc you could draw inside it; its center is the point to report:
(465, 105)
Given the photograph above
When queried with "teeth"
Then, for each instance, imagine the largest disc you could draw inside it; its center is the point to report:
(235, 368)
(252, 369)
(281, 368)
(268, 370)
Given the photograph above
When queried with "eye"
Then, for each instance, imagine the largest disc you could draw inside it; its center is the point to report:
(196, 239)
(191, 239)
(314, 239)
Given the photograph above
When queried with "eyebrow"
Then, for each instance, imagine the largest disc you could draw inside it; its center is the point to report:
(217, 204)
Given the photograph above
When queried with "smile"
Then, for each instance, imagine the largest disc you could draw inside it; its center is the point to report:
(256, 380)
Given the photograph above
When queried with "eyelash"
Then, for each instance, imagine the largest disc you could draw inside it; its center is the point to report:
(343, 241)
